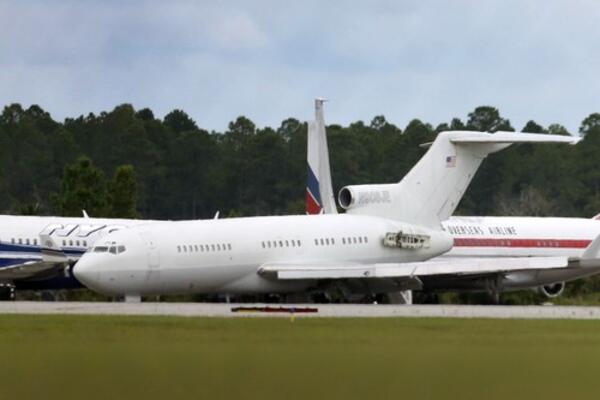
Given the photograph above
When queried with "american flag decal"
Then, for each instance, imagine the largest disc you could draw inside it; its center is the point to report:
(450, 161)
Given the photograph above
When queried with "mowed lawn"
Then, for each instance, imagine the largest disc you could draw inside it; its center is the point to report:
(91, 357)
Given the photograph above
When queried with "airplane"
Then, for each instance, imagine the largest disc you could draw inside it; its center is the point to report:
(474, 237)
(37, 253)
(379, 245)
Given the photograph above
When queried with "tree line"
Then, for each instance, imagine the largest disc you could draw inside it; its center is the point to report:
(128, 163)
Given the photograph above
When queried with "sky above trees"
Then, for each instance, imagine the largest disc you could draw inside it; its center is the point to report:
(267, 60)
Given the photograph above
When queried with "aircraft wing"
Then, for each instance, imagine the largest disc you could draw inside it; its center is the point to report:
(24, 270)
(457, 266)
(51, 257)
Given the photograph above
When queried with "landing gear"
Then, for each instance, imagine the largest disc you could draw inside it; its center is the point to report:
(7, 292)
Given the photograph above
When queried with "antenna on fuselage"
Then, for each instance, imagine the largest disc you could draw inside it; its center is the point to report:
(85, 214)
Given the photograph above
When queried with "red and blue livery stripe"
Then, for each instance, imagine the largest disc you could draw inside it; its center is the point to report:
(313, 194)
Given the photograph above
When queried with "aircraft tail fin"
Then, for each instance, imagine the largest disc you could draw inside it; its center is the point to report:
(432, 189)
(597, 217)
(319, 190)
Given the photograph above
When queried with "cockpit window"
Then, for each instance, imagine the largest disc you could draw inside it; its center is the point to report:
(112, 249)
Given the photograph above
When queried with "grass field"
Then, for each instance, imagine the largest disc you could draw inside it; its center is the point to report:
(68, 357)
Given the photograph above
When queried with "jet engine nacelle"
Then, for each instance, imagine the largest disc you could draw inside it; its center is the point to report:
(553, 290)
(357, 196)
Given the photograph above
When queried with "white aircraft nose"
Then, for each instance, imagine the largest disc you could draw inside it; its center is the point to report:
(87, 272)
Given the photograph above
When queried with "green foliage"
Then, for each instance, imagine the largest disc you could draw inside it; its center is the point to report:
(122, 193)
(182, 171)
(84, 188)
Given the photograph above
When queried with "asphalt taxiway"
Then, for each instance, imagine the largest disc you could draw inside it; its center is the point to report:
(324, 310)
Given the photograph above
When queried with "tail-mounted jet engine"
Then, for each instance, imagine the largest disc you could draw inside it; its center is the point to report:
(357, 196)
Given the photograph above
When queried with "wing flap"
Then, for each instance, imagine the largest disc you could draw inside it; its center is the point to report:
(412, 269)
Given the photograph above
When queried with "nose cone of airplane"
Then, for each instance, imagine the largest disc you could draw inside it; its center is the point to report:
(87, 271)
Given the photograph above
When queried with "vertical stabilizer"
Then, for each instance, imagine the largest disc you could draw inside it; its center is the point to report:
(432, 189)
(319, 190)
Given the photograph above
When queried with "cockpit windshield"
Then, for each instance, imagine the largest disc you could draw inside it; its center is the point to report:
(112, 249)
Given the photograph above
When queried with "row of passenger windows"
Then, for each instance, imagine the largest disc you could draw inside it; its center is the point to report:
(34, 242)
(281, 243)
(76, 243)
(27, 242)
(345, 240)
(201, 248)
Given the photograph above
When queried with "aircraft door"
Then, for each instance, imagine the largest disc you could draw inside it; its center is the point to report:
(152, 248)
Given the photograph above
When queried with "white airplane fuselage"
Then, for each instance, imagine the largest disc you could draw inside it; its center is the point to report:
(520, 236)
(224, 256)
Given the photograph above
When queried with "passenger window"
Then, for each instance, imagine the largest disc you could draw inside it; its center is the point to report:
(179, 249)
(27, 242)
(366, 240)
(64, 243)
(322, 242)
(12, 240)
(327, 242)
(70, 243)
(343, 240)
(219, 247)
(299, 243)
(112, 250)
(84, 243)
(20, 241)
(35, 242)
(293, 243)
(360, 239)
(212, 247)
(287, 243)
(280, 243)
(316, 242)
(229, 246)
(354, 240)
(332, 241)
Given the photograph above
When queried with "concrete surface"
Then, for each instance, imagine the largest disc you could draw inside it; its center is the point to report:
(324, 310)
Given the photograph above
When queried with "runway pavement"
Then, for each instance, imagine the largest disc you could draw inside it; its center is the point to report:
(324, 310)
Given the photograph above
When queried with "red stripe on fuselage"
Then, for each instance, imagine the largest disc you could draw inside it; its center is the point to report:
(525, 243)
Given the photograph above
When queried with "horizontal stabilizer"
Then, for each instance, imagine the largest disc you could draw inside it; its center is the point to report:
(413, 269)
(591, 255)
(514, 137)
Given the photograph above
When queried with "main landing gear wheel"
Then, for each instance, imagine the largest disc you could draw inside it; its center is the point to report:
(7, 292)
